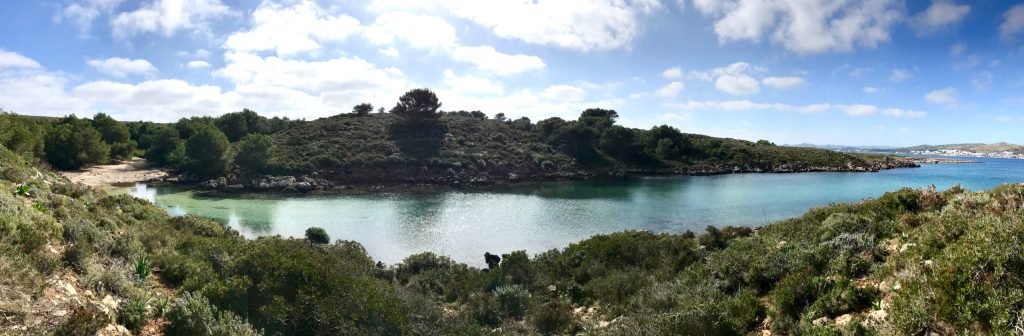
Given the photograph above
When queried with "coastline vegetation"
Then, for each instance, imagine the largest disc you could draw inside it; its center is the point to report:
(416, 142)
(909, 262)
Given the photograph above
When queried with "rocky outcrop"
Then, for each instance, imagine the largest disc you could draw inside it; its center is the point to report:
(234, 183)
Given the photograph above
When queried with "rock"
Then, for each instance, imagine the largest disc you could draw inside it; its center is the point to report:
(67, 288)
(113, 330)
(303, 186)
(109, 303)
(234, 187)
(820, 322)
(844, 319)
(513, 177)
(603, 324)
(222, 182)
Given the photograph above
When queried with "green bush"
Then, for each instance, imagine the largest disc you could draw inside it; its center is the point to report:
(193, 315)
(512, 300)
(317, 235)
(133, 314)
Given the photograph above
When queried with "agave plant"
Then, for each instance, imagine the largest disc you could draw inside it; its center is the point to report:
(142, 266)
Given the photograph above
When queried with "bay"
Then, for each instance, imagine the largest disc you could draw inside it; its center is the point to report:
(536, 217)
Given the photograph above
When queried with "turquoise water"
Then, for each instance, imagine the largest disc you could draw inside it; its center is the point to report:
(463, 224)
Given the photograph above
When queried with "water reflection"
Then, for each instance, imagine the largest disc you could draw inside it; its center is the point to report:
(463, 224)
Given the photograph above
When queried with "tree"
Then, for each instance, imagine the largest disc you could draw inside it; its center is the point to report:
(576, 138)
(317, 235)
(206, 152)
(600, 119)
(115, 134)
(418, 105)
(362, 109)
(73, 143)
(381, 110)
(500, 117)
(253, 155)
(619, 141)
(238, 124)
(162, 143)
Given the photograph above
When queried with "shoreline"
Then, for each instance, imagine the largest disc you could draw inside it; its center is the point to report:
(125, 174)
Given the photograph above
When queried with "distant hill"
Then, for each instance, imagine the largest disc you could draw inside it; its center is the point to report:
(971, 147)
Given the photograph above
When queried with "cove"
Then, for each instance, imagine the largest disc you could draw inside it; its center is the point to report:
(536, 217)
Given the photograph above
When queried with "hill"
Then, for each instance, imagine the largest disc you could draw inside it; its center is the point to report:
(971, 147)
(910, 262)
(461, 148)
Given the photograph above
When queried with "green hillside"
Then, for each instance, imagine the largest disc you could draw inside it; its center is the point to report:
(379, 148)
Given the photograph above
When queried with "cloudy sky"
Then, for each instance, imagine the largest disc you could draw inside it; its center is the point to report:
(878, 72)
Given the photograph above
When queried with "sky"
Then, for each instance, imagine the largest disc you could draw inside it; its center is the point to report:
(871, 72)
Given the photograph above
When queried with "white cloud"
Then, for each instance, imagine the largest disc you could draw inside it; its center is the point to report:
(945, 96)
(859, 110)
(15, 60)
(670, 90)
(199, 53)
(957, 49)
(783, 83)
(737, 84)
(901, 113)
(941, 14)
(563, 92)
(982, 81)
(574, 24)
(323, 87)
(470, 84)
(83, 13)
(746, 105)
(1013, 22)
(732, 79)
(870, 89)
(419, 31)
(292, 30)
(899, 75)
(804, 26)
(122, 67)
(27, 88)
(197, 65)
(168, 17)
(155, 100)
(489, 60)
(389, 52)
(672, 73)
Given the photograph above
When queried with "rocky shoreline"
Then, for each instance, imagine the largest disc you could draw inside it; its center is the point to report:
(334, 182)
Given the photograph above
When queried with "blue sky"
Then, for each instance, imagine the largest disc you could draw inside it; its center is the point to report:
(874, 72)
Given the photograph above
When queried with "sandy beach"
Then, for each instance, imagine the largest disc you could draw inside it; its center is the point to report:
(134, 170)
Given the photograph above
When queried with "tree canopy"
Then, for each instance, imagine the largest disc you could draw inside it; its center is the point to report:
(418, 105)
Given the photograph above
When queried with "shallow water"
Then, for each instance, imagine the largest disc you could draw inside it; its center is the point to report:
(463, 224)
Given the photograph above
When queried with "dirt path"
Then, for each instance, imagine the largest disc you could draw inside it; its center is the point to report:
(134, 170)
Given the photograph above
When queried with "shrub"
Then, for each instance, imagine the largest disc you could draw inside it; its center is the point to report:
(550, 318)
(142, 266)
(512, 300)
(317, 235)
(193, 315)
(133, 314)
(362, 109)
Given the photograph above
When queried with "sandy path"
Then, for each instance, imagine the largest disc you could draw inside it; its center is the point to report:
(134, 170)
